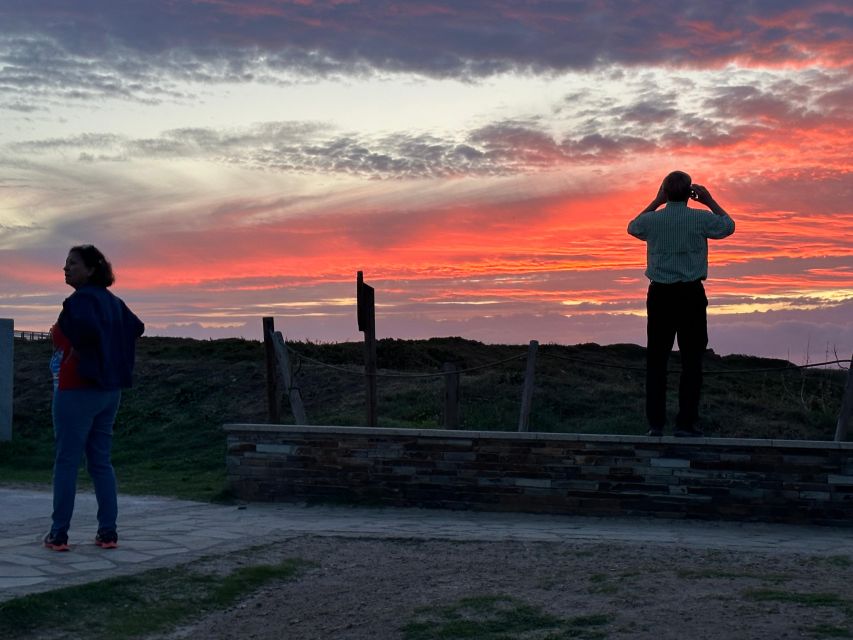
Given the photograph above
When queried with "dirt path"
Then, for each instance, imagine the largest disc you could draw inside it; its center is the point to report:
(360, 589)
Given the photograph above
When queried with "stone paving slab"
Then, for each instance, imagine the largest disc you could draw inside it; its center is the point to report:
(157, 532)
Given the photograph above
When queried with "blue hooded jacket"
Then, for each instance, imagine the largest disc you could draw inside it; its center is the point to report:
(103, 331)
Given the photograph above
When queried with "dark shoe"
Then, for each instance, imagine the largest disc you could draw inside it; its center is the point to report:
(654, 433)
(106, 539)
(56, 541)
(688, 433)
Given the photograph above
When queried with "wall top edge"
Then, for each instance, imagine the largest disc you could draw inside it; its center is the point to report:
(538, 435)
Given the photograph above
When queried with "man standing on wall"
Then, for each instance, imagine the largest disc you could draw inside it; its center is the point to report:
(676, 264)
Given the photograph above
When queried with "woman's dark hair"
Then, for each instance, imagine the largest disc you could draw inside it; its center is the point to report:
(102, 276)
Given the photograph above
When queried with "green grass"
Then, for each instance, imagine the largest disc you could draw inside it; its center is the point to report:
(803, 599)
(724, 574)
(840, 562)
(135, 606)
(499, 617)
(602, 583)
(806, 599)
(811, 600)
(169, 440)
(829, 631)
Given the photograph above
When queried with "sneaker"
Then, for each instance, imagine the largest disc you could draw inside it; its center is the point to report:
(688, 433)
(654, 433)
(106, 539)
(56, 541)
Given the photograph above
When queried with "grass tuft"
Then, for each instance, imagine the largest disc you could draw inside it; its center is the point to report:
(829, 631)
(841, 561)
(498, 617)
(804, 599)
(725, 574)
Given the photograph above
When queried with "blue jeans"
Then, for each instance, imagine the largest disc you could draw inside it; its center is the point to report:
(83, 423)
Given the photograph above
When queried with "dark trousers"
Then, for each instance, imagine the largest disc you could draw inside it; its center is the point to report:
(677, 309)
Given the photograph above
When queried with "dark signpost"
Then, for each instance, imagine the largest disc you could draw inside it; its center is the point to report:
(367, 324)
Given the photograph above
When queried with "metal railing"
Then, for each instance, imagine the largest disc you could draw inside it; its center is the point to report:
(31, 335)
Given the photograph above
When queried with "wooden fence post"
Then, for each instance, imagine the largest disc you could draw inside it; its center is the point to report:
(451, 395)
(846, 406)
(293, 394)
(527, 392)
(273, 393)
(365, 297)
(7, 377)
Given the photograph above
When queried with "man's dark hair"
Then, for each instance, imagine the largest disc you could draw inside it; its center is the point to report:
(676, 186)
(102, 276)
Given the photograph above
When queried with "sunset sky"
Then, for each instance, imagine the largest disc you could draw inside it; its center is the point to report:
(479, 161)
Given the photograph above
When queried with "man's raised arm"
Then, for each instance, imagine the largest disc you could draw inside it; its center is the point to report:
(724, 226)
(635, 227)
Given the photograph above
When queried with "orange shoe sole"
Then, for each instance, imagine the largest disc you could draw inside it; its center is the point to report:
(106, 545)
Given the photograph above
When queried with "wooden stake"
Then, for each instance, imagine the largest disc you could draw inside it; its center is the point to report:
(7, 376)
(284, 367)
(846, 406)
(527, 392)
(273, 393)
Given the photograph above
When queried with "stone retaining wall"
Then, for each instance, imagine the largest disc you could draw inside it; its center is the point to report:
(718, 478)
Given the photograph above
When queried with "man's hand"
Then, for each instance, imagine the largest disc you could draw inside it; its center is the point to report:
(700, 193)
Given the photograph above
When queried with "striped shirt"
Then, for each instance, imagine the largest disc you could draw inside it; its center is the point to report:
(677, 241)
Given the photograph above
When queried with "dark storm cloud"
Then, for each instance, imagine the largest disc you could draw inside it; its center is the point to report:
(141, 49)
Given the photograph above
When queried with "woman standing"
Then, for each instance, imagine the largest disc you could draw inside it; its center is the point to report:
(95, 345)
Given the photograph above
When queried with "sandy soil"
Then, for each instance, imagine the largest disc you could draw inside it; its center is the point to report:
(360, 589)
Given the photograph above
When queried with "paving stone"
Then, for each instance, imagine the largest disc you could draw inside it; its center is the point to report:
(173, 527)
(58, 569)
(13, 542)
(18, 571)
(145, 546)
(93, 565)
(169, 551)
(13, 583)
(22, 559)
(120, 556)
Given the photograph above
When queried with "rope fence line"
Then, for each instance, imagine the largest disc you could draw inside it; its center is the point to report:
(546, 354)
(456, 371)
(788, 367)
(360, 370)
(439, 374)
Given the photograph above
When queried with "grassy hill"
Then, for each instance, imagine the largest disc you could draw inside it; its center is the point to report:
(168, 434)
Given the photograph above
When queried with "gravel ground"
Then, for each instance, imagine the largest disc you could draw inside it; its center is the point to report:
(359, 589)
